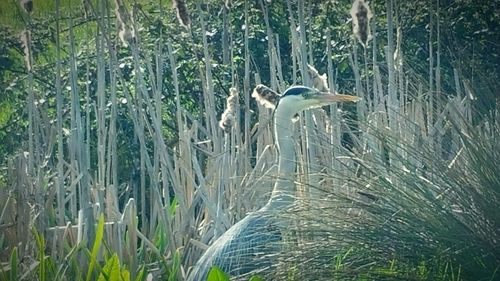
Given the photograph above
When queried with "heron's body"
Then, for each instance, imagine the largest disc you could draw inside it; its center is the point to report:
(248, 246)
(243, 249)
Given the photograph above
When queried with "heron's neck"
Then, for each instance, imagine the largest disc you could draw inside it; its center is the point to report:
(284, 187)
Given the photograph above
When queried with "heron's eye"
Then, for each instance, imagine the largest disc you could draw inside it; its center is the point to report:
(306, 95)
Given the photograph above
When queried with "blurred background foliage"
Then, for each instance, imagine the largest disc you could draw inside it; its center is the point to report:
(469, 30)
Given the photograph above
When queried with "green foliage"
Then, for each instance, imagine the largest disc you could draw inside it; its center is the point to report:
(173, 206)
(216, 274)
(112, 271)
(96, 247)
(340, 259)
(174, 269)
(14, 263)
(12, 271)
(255, 278)
(45, 268)
(427, 218)
(5, 113)
(394, 269)
(42, 265)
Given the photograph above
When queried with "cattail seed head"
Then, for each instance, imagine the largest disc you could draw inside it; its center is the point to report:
(319, 81)
(124, 24)
(266, 96)
(398, 56)
(182, 12)
(126, 35)
(229, 116)
(361, 16)
(25, 40)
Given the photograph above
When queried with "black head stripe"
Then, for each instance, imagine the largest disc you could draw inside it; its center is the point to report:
(296, 90)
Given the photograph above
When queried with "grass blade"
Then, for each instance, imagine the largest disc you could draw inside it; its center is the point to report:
(96, 247)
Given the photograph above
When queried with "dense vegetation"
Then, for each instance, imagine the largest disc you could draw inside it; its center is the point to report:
(112, 108)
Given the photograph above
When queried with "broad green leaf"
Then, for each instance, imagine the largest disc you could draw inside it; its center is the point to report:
(111, 270)
(216, 274)
(125, 274)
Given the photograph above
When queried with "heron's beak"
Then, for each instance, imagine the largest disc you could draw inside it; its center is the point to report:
(329, 97)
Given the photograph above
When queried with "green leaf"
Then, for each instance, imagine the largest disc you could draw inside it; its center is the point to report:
(173, 206)
(216, 274)
(95, 248)
(141, 275)
(125, 274)
(175, 267)
(13, 264)
(40, 241)
(160, 238)
(5, 113)
(256, 278)
(111, 270)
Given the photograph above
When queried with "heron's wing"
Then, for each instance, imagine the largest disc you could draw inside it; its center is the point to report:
(245, 249)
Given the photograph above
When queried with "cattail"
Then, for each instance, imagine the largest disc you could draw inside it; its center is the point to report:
(182, 12)
(361, 16)
(126, 31)
(228, 117)
(26, 5)
(319, 81)
(398, 57)
(87, 9)
(25, 40)
(266, 96)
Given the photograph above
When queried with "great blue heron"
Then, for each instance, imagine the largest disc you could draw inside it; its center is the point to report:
(248, 246)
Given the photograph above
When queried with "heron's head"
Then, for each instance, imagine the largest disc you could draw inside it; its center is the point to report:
(298, 98)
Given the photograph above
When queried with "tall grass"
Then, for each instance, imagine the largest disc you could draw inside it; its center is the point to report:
(426, 210)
